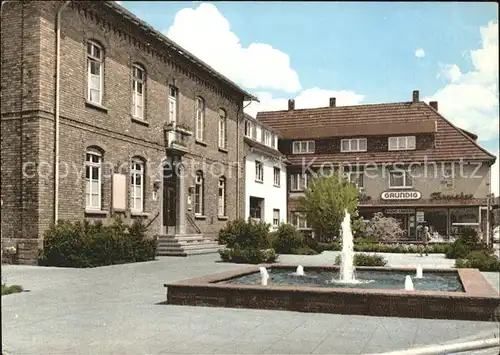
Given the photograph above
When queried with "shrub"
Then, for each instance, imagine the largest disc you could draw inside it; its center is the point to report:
(7, 290)
(287, 239)
(245, 234)
(333, 246)
(365, 260)
(383, 228)
(305, 251)
(248, 256)
(466, 243)
(479, 260)
(401, 248)
(85, 244)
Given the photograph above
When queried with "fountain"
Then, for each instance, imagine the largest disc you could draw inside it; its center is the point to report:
(347, 261)
(300, 270)
(409, 284)
(420, 272)
(264, 276)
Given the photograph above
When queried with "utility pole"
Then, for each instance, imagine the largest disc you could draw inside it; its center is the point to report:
(489, 240)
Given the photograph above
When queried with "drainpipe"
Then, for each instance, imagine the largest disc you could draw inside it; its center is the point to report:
(56, 114)
(238, 160)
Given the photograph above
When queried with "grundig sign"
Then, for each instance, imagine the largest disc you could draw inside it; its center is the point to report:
(401, 195)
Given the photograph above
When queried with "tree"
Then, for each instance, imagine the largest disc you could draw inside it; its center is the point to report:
(383, 228)
(325, 201)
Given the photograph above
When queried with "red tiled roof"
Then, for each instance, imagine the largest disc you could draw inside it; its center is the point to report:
(451, 143)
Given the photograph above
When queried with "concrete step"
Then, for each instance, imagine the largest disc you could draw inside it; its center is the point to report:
(185, 243)
(186, 252)
(191, 247)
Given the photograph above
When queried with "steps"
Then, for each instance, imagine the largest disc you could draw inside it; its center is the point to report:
(186, 244)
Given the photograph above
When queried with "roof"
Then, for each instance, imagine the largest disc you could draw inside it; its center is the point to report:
(264, 149)
(178, 49)
(253, 119)
(451, 143)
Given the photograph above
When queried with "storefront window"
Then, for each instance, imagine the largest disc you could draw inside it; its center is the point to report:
(436, 220)
(466, 217)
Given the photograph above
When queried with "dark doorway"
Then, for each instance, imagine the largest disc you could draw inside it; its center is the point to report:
(169, 196)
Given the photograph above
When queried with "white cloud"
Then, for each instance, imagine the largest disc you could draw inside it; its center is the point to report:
(495, 179)
(470, 100)
(206, 33)
(419, 53)
(309, 98)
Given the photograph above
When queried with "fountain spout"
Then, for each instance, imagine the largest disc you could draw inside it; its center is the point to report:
(264, 276)
(420, 272)
(347, 261)
(409, 284)
(300, 270)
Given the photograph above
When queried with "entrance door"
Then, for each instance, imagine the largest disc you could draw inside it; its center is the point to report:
(169, 198)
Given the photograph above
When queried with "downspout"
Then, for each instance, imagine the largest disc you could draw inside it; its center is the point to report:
(56, 110)
(238, 161)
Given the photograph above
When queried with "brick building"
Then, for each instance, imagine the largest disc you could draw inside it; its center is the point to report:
(101, 114)
(408, 161)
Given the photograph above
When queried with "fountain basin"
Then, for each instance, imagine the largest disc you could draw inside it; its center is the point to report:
(470, 296)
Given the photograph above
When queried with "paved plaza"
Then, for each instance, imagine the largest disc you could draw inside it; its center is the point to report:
(117, 310)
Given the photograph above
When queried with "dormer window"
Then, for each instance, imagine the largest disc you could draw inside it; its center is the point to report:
(248, 128)
(402, 143)
(267, 138)
(303, 147)
(353, 145)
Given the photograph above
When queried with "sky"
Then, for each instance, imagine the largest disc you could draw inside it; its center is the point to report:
(358, 52)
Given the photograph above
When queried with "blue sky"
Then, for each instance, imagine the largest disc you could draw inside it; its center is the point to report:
(359, 52)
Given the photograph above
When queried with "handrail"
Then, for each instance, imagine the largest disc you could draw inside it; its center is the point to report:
(154, 218)
(190, 219)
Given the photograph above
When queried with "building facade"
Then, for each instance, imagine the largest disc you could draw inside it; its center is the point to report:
(103, 115)
(265, 175)
(407, 160)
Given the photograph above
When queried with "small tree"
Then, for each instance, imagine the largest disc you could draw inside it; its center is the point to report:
(383, 228)
(325, 202)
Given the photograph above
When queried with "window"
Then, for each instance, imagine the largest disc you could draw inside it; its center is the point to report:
(402, 143)
(303, 147)
(222, 196)
(222, 129)
(198, 194)
(277, 176)
(93, 163)
(256, 205)
(276, 217)
(400, 179)
(355, 177)
(138, 80)
(95, 72)
(136, 186)
(172, 104)
(274, 141)
(200, 119)
(267, 138)
(260, 134)
(254, 131)
(353, 145)
(299, 220)
(298, 182)
(248, 128)
(259, 171)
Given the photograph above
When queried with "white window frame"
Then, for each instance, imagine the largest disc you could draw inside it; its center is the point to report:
(402, 143)
(267, 138)
(222, 197)
(98, 60)
(298, 182)
(277, 176)
(259, 171)
(276, 217)
(303, 147)
(297, 218)
(355, 145)
(89, 192)
(406, 174)
(136, 171)
(200, 119)
(138, 95)
(173, 94)
(248, 129)
(198, 191)
(222, 129)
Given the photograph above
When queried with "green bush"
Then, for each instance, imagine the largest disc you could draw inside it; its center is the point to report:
(465, 244)
(479, 260)
(305, 251)
(7, 290)
(287, 239)
(245, 234)
(333, 246)
(85, 244)
(401, 248)
(248, 256)
(365, 260)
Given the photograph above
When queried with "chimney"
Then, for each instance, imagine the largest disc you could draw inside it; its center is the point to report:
(291, 105)
(415, 96)
(333, 102)
(434, 105)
